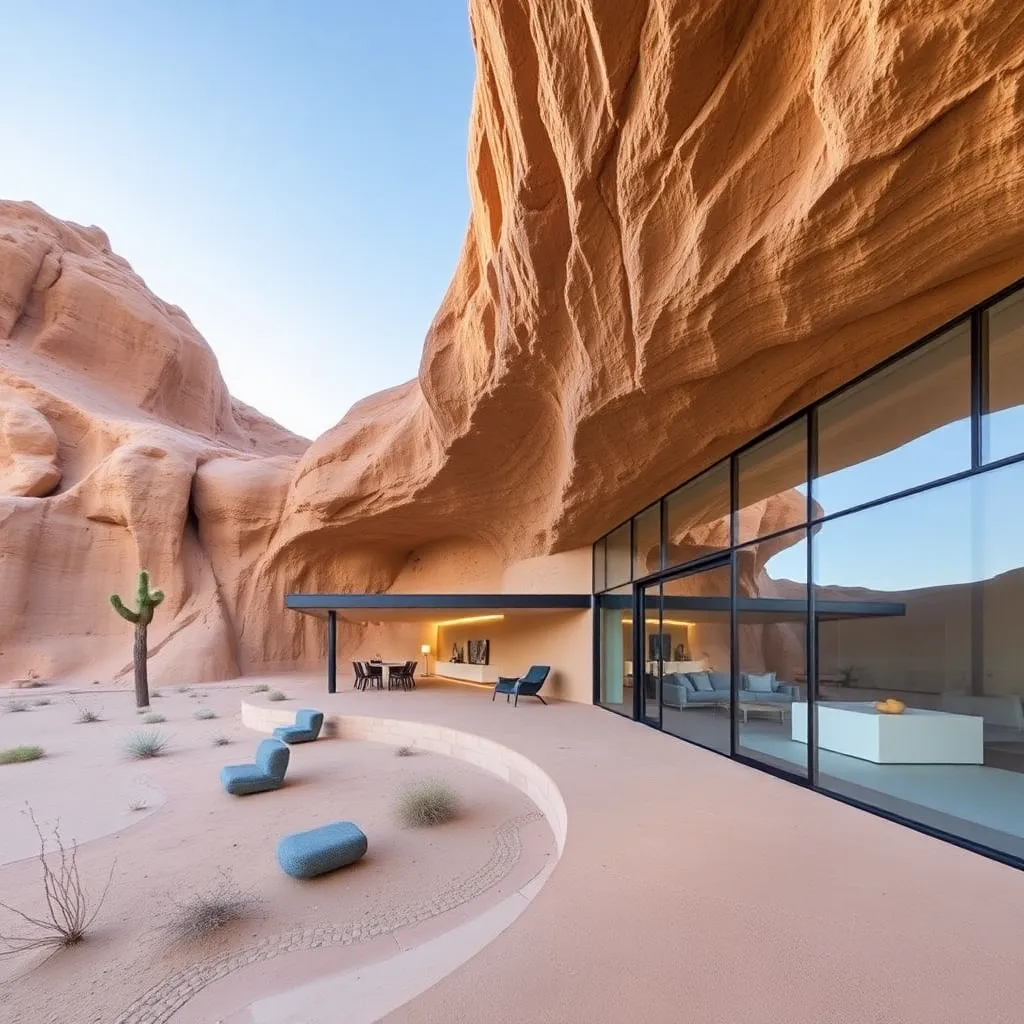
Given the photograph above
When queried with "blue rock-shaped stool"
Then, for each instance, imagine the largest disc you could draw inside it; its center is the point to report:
(323, 849)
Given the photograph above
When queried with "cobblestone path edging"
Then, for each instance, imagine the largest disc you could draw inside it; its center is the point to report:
(167, 997)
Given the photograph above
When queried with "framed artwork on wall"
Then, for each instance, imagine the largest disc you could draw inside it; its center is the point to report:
(479, 652)
(659, 647)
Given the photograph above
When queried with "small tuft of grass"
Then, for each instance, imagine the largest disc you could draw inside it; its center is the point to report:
(276, 695)
(184, 689)
(152, 718)
(204, 714)
(14, 706)
(16, 755)
(156, 693)
(142, 745)
(87, 715)
(260, 688)
(195, 916)
(41, 702)
(404, 751)
(221, 740)
(427, 803)
(138, 805)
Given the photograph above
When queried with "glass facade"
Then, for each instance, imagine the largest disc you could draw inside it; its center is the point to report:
(840, 601)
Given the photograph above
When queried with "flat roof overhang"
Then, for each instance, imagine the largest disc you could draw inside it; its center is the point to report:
(424, 607)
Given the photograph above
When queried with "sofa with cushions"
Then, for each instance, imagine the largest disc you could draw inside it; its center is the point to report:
(697, 689)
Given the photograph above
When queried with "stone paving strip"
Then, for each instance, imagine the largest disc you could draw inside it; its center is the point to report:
(163, 1000)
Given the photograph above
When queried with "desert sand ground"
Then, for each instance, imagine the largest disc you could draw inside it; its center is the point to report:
(189, 831)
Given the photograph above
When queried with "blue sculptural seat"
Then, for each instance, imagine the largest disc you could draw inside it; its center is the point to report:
(267, 773)
(525, 686)
(306, 728)
(323, 849)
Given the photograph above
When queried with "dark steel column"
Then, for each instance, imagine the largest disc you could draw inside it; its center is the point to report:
(332, 651)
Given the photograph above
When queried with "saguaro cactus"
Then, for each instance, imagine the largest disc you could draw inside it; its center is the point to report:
(147, 600)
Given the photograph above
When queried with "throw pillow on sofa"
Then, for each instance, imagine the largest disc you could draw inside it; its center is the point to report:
(680, 679)
(759, 682)
(701, 682)
(721, 680)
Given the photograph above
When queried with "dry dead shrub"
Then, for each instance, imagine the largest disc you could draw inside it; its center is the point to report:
(196, 915)
(68, 915)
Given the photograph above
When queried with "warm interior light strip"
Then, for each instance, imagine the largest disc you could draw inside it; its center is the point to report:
(664, 622)
(473, 618)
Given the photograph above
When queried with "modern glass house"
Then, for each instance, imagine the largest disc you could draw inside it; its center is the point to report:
(841, 601)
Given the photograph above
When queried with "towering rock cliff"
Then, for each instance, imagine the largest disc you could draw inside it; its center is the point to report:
(688, 220)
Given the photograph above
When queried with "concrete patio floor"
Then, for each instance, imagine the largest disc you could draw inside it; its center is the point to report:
(692, 888)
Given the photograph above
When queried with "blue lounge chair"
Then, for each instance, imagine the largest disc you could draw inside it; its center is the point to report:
(267, 773)
(323, 849)
(524, 686)
(307, 726)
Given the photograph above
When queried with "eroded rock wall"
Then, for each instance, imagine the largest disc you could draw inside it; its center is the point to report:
(687, 221)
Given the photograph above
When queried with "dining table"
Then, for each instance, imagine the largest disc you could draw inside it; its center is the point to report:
(386, 668)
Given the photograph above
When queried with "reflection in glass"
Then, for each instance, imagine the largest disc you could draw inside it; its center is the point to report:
(616, 655)
(1003, 423)
(617, 556)
(771, 621)
(773, 483)
(655, 652)
(697, 517)
(647, 542)
(927, 595)
(696, 693)
(599, 567)
(903, 426)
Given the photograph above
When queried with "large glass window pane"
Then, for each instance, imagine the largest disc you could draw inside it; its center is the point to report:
(773, 483)
(616, 655)
(618, 556)
(1003, 422)
(647, 542)
(600, 578)
(903, 426)
(695, 687)
(771, 629)
(697, 517)
(920, 604)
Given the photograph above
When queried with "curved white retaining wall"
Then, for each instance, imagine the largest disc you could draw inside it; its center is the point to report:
(499, 760)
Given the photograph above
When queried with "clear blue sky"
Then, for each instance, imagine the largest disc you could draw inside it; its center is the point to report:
(292, 175)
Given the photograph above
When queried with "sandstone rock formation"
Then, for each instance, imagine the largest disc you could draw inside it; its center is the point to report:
(111, 409)
(688, 220)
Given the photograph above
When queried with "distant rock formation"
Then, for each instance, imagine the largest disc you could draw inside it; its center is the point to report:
(688, 220)
(113, 417)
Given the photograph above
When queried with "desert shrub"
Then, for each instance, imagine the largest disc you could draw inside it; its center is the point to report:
(68, 915)
(155, 693)
(13, 706)
(86, 715)
(184, 689)
(142, 745)
(403, 751)
(204, 713)
(260, 688)
(221, 741)
(195, 916)
(276, 695)
(431, 802)
(15, 755)
(41, 702)
(138, 805)
(153, 718)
